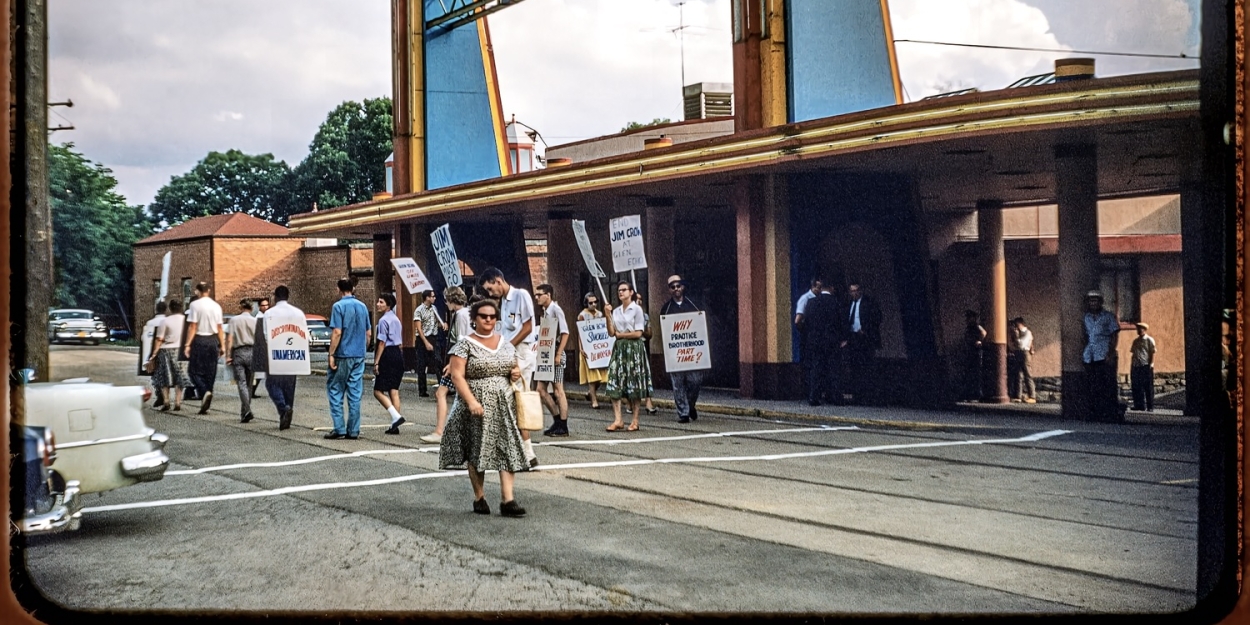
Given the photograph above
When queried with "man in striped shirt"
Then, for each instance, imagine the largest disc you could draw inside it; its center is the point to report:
(426, 325)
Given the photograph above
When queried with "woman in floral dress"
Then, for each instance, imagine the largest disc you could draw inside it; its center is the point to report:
(481, 431)
(629, 374)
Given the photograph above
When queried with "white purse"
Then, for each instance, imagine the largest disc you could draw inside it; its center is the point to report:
(529, 408)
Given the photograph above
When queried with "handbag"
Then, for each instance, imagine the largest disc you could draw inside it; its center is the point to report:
(529, 408)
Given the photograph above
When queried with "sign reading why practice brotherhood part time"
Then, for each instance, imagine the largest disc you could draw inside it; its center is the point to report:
(596, 343)
(287, 337)
(546, 355)
(411, 274)
(685, 342)
(627, 252)
(445, 252)
(588, 253)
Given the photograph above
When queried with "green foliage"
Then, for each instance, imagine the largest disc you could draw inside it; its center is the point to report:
(92, 231)
(636, 125)
(232, 182)
(346, 159)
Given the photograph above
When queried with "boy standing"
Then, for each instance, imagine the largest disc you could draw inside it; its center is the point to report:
(1142, 373)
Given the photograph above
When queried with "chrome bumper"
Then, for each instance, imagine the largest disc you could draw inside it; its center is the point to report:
(150, 466)
(66, 514)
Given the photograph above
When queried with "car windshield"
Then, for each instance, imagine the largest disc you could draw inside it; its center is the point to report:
(70, 315)
(316, 323)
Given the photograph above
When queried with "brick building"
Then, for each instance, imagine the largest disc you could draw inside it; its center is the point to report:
(241, 256)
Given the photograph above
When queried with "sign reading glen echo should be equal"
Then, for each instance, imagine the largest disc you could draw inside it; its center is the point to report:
(596, 344)
(627, 252)
(288, 344)
(546, 356)
(685, 342)
(445, 252)
(414, 279)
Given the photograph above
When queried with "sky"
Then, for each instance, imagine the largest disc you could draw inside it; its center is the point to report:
(158, 84)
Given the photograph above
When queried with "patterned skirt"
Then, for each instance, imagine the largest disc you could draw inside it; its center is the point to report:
(490, 442)
(629, 372)
(167, 372)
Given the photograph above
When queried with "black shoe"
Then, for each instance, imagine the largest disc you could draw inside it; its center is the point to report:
(208, 401)
(683, 420)
(351, 437)
(533, 462)
(481, 507)
(511, 508)
(561, 428)
(423, 394)
(334, 436)
(394, 429)
(247, 417)
(284, 419)
(694, 414)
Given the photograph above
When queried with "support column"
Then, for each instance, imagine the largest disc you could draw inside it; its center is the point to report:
(658, 230)
(1076, 186)
(993, 303)
(764, 367)
(383, 271)
(414, 243)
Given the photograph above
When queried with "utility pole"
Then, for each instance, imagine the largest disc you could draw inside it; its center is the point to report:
(30, 343)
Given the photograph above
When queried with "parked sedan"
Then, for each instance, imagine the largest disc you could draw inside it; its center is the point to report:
(50, 504)
(73, 324)
(318, 333)
(103, 441)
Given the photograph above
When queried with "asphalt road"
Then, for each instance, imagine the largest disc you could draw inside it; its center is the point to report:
(728, 514)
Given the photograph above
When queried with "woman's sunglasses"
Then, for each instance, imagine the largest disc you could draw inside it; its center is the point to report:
(487, 317)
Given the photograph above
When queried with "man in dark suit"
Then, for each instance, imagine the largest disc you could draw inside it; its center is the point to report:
(825, 327)
(862, 317)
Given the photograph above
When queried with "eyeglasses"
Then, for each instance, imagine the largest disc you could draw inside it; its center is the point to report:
(674, 287)
(623, 290)
(487, 317)
(593, 302)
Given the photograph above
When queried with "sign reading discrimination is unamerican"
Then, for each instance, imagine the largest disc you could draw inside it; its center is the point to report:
(287, 339)
(685, 342)
(596, 344)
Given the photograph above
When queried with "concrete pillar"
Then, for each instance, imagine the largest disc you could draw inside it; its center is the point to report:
(658, 230)
(1076, 186)
(383, 271)
(414, 243)
(763, 241)
(993, 302)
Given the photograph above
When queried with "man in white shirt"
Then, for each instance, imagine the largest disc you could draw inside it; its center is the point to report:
(239, 342)
(559, 407)
(281, 388)
(800, 308)
(516, 324)
(426, 324)
(205, 342)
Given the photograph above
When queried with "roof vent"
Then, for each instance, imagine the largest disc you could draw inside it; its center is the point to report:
(1073, 69)
(708, 99)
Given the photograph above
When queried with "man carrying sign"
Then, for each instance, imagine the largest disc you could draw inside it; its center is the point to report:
(685, 383)
(559, 407)
(281, 388)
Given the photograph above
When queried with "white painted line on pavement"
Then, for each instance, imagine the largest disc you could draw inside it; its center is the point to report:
(583, 465)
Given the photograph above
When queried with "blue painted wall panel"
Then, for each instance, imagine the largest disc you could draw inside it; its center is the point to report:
(838, 58)
(460, 134)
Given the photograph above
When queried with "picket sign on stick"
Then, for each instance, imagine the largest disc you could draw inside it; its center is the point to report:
(411, 275)
(627, 248)
(596, 343)
(287, 339)
(445, 252)
(685, 342)
(546, 359)
(588, 255)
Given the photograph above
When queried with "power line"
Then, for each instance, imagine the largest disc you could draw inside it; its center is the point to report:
(1096, 53)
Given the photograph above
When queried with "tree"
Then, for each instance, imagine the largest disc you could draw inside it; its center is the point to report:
(636, 125)
(232, 182)
(346, 159)
(92, 232)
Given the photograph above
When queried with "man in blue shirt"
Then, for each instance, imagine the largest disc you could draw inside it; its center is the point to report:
(350, 331)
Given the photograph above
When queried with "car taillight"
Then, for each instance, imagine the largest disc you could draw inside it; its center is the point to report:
(49, 446)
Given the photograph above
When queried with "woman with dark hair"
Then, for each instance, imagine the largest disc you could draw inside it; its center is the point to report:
(481, 431)
(629, 375)
(388, 361)
(585, 375)
(166, 375)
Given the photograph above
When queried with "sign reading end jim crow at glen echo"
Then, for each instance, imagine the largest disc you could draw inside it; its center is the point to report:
(685, 342)
(627, 252)
(414, 279)
(287, 338)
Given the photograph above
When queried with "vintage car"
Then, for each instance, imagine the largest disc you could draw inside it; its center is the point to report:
(318, 333)
(102, 439)
(50, 503)
(72, 324)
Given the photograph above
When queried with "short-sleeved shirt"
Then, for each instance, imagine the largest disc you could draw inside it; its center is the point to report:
(554, 311)
(428, 316)
(351, 316)
(242, 330)
(206, 314)
(390, 330)
(515, 309)
(170, 331)
(1023, 340)
(801, 305)
(1143, 350)
(460, 327)
(629, 318)
(1099, 328)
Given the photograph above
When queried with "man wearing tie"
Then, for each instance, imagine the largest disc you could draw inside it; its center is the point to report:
(863, 337)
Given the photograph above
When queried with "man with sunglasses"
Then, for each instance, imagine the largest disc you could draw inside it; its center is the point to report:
(686, 384)
(516, 324)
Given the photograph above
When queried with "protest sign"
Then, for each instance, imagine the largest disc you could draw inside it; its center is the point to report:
(588, 253)
(546, 355)
(596, 344)
(287, 339)
(445, 252)
(627, 252)
(413, 278)
(146, 339)
(685, 342)
(165, 276)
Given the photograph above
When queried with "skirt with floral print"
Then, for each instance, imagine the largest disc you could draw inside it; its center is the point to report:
(629, 372)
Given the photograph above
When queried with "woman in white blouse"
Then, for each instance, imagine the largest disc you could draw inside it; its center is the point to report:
(629, 373)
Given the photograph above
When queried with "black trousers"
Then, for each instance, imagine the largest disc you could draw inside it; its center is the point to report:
(1143, 380)
(202, 367)
(858, 363)
(428, 359)
(1104, 393)
(822, 374)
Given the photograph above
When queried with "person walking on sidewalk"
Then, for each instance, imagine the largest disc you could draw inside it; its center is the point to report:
(425, 327)
(458, 328)
(349, 337)
(280, 388)
(686, 384)
(258, 376)
(240, 339)
(559, 406)
(205, 343)
(1142, 372)
(517, 325)
(388, 362)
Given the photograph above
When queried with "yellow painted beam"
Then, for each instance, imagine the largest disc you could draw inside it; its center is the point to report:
(492, 94)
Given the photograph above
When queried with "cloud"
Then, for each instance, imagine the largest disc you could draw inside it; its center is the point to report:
(222, 116)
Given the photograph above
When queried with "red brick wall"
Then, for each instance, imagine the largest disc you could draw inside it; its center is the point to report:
(190, 259)
(314, 289)
(252, 267)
